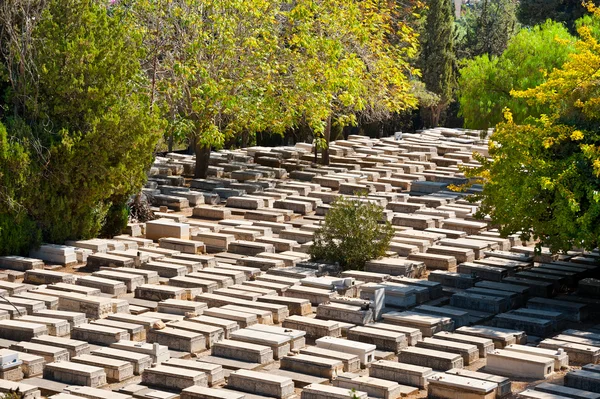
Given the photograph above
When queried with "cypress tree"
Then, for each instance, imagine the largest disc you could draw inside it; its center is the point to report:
(437, 56)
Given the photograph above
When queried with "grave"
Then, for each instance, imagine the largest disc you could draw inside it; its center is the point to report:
(75, 374)
(433, 359)
(449, 386)
(139, 361)
(519, 364)
(243, 351)
(365, 352)
(402, 373)
(116, 370)
(261, 384)
(173, 378)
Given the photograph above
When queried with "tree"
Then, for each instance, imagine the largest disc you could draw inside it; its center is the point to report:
(485, 27)
(486, 82)
(77, 109)
(215, 69)
(543, 175)
(534, 12)
(352, 233)
(437, 56)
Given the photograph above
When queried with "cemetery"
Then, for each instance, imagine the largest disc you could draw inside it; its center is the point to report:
(217, 297)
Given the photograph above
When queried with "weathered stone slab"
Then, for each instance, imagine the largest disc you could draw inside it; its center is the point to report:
(100, 335)
(139, 361)
(519, 364)
(116, 370)
(76, 374)
(402, 373)
(173, 378)
(243, 351)
(261, 384)
(178, 340)
(73, 346)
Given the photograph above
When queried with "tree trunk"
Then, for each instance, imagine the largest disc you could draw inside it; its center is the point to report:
(316, 150)
(202, 157)
(325, 154)
(244, 139)
(170, 142)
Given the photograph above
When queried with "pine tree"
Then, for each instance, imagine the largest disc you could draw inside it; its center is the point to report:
(437, 56)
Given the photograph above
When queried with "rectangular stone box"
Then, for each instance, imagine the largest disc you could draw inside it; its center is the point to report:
(448, 386)
(105, 285)
(484, 345)
(261, 384)
(75, 374)
(49, 353)
(139, 361)
(469, 352)
(318, 391)
(384, 340)
(207, 286)
(263, 316)
(579, 354)
(56, 327)
(16, 330)
(137, 332)
(345, 313)
(165, 269)
(296, 337)
(313, 365)
(243, 351)
(214, 372)
(99, 335)
(427, 324)
(314, 328)
(196, 392)
(279, 344)
(561, 359)
(74, 347)
(173, 378)
(228, 326)
(504, 384)
(365, 352)
(179, 307)
(402, 373)
(243, 319)
(158, 353)
(131, 281)
(116, 370)
(501, 337)
(434, 359)
(519, 364)
(182, 245)
(38, 277)
(350, 361)
(178, 340)
(584, 380)
(211, 334)
(160, 228)
(153, 292)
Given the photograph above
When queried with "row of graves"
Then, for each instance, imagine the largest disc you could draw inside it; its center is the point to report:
(217, 297)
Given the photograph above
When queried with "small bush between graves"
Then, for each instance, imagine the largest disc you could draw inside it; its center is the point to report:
(352, 234)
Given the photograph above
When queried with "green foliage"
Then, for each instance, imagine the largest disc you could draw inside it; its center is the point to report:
(352, 233)
(534, 12)
(17, 394)
(485, 27)
(486, 82)
(82, 121)
(437, 55)
(543, 176)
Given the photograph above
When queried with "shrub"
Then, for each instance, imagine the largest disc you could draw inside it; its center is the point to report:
(352, 233)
